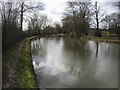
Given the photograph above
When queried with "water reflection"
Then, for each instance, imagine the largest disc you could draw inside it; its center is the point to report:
(97, 48)
(68, 62)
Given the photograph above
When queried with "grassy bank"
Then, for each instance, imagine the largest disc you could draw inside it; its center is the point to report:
(25, 72)
(20, 64)
(104, 39)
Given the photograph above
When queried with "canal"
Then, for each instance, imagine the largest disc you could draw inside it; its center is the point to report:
(65, 62)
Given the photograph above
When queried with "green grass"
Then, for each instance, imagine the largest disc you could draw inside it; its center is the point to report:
(25, 73)
(6, 55)
(104, 38)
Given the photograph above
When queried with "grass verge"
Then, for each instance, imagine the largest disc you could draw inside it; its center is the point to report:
(104, 39)
(17, 61)
(25, 73)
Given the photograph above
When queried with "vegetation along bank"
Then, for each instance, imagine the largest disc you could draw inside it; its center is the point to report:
(17, 66)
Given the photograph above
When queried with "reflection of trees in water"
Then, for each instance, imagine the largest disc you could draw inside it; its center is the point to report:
(77, 47)
(57, 39)
(75, 70)
(78, 70)
(38, 47)
(114, 50)
(82, 61)
(79, 53)
(108, 49)
(54, 38)
(97, 48)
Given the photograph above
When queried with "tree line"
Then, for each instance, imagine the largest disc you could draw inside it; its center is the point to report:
(79, 19)
(12, 17)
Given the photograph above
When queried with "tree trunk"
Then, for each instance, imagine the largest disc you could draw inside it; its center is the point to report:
(98, 33)
(21, 16)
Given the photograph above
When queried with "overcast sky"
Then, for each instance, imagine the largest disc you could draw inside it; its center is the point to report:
(54, 9)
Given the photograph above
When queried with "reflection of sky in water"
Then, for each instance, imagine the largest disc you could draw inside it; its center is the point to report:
(64, 62)
(52, 65)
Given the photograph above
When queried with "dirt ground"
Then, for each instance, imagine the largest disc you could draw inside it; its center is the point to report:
(9, 73)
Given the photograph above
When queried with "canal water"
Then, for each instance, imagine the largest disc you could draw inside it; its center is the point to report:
(64, 62)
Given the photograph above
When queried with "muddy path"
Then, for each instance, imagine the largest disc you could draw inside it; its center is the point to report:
(9, 73)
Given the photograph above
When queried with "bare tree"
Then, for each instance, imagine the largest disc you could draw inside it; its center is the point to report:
(10, 25)
(79, 15)
(96, 14)
(38, 23)
(98, 17)
(28, 8)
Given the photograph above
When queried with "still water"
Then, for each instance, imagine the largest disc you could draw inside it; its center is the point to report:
(64, 62)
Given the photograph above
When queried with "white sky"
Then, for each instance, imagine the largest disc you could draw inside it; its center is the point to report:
(54, 9)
